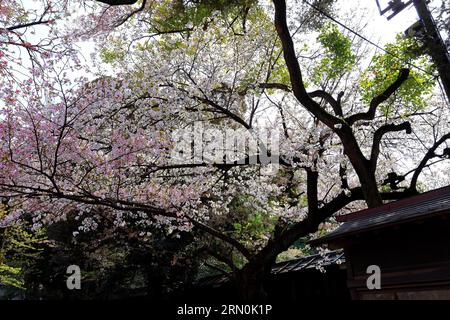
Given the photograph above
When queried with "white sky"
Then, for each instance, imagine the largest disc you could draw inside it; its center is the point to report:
(379, 29)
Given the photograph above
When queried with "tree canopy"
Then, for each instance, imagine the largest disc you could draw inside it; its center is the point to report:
(236, 127)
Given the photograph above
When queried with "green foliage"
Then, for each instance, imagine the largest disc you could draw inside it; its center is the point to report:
(175, 19)
(115, 52)
(269, 67)
(280, 73)
(256, 225)
(179, 14)
(114, 264)
(290, 254)
(384, 69)
(19, 246)
(10, 276)
(312, 18)
(299, 248)
(338, 57)
(252, 224)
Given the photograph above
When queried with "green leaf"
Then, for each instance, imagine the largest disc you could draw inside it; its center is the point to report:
(383, 71)
(338, 57)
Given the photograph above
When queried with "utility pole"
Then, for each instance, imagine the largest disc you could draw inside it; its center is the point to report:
(434, 44)
(432, 39)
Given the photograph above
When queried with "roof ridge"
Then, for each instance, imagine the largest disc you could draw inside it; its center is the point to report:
(386, 208)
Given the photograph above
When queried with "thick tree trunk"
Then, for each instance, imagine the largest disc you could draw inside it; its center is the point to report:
(250, 287)
(251, 282)
(370, 189)
(363, 168)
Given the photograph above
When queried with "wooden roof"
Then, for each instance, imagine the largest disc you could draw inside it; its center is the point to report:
(310, 262)
(414, 208)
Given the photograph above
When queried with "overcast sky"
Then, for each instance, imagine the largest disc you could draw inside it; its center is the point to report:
(379, 29)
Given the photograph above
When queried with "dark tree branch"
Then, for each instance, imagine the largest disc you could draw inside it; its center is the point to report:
(235, 243)
(223, 111)
(132, 13)
(118, 204)
(26, 25)
(378, 135)
(335, 104)
(298, 86)
(216, 268)
(161, 32)
(118, 2)
(351, 147)
(393, 179)
(246, 161)
(122, 205)
(431, 153)
(343, 175)
(227, 260)
(312, 222)
(280, 86)
(312, 178)
(33, 23)
(339, 99)
(376, 101)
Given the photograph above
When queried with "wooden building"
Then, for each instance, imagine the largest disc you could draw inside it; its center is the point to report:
(320, 276)
(409, 240)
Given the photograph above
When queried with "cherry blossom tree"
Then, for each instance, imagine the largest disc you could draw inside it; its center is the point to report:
(104, 148)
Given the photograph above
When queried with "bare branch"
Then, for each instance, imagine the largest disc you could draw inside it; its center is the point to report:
(235, 243)
(379, 99)
(378, 135)
(298, 86)
(26, 25)
(431, 153)
(132, 13)
(118, 2)
(223, 111)
(335, 104)
(280, 86)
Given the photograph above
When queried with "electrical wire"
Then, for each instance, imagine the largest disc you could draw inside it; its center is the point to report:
(368, 40)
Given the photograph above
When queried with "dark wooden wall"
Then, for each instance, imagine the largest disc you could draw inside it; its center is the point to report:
(293, 286)
(414, 260)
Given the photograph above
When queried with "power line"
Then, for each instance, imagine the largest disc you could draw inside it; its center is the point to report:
(368, 40)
